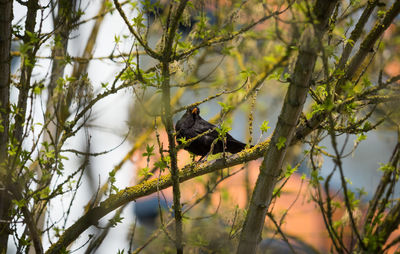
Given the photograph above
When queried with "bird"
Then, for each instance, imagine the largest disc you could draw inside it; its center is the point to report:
(192, 125)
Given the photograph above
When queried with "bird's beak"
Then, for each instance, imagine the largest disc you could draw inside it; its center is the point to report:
(194, 111)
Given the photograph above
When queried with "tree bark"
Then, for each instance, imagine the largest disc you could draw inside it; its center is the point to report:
(5, 60)
(296, 95)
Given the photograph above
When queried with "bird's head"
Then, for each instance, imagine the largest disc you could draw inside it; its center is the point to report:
(193, 111)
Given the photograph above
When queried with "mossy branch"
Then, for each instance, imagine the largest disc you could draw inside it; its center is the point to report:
(369, 41)
(151, 186)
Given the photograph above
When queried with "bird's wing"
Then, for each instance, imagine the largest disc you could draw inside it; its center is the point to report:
(198, 128)
(178, 125)
(202, 126)
(187, 133)
(184, 123)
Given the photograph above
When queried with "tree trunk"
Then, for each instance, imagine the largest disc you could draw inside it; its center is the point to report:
(5, 59)
(293, 105)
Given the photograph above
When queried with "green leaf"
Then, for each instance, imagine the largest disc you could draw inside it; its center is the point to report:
(104, 85)
(276, 75)
(225, 107)
(160, 164)
(336, 204)
(381, 14)
(246, 74)
(264, 127)
(348, 181)
(367, 126)
(149, 151)
(115, 220)
(24, 241)
(145, 172)
(20, 203)
(223, 130)
(366, 82)
(277, 192)
(111, 177)
(109, 6)
(386, 167)
(281, 143)
(315, 178)
(289, 170)
(38, 89)
(321, 91)
(337, 224)
(117, 39)
(361, 192)
(361, 137)
(182, 140)
(139, 20)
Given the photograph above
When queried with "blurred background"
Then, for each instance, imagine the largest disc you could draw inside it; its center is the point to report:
(119, 125)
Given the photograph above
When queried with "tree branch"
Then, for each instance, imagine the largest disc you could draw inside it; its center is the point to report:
(369, 41)
(142, 42)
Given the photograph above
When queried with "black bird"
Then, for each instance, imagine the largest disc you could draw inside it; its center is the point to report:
(191, 125)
